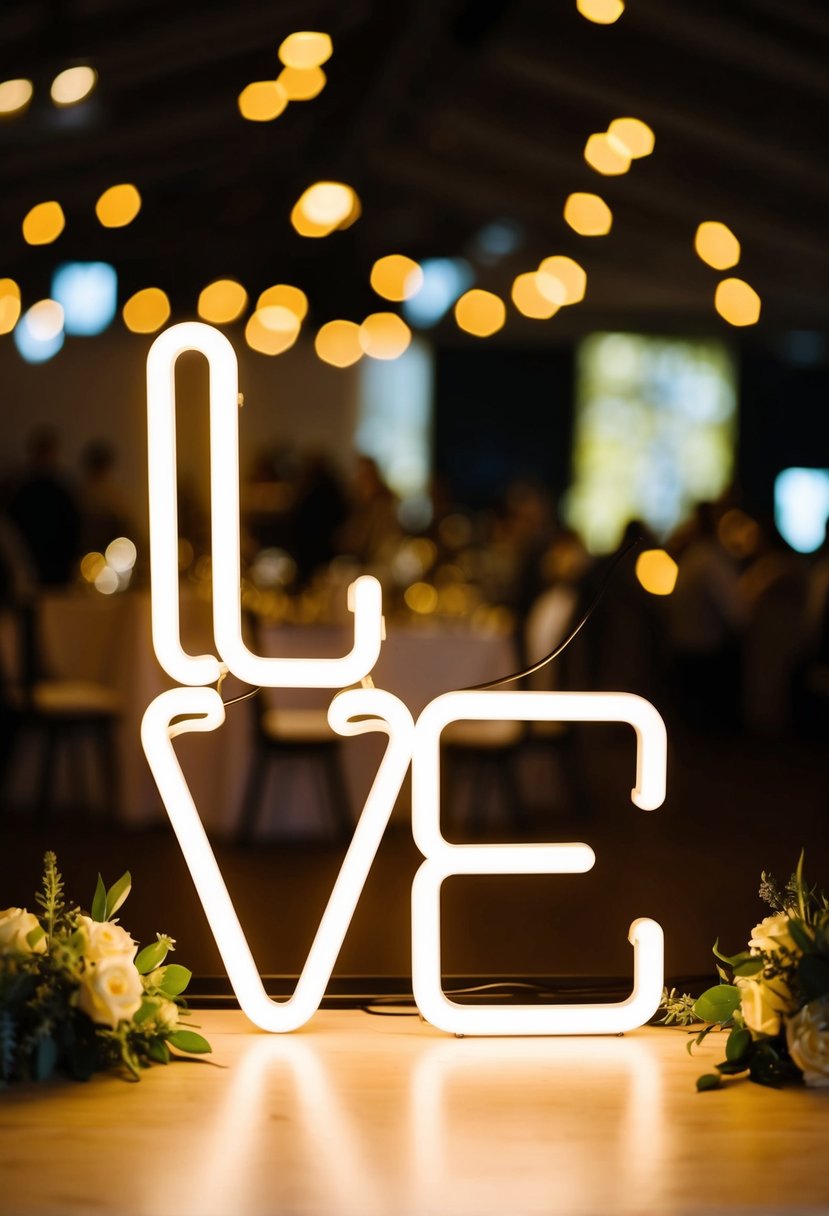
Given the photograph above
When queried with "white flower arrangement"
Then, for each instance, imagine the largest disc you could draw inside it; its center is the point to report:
(774, 996)
(76, 997)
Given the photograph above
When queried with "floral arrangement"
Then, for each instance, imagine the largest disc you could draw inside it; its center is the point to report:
(76, 997)
(774, 996)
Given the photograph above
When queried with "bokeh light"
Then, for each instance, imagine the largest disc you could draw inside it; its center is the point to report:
(338, 343)
(39, 333)
(88, 294)
(118, 206)
(601, 12)
(444, 280)
(635, 136)
(272, 330)
(588, 215)
(15, 96)
(222, 301)
(481, 313)
(737, 302)
(262, 101)
(567, 272)
(384, 335)
(656, 571)
(73, 85)
(301, 84)
(146, 311)
(529, 300)
(305, 49)
(717, 245)
(9, 305)
(396, 277)
(121, 554)
(43, 223)
(284, 295)
(606, 155)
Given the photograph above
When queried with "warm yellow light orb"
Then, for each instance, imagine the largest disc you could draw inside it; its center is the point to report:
(327, 202)
(384, 335)
(422, 598)
(305, 49)
(737, 302)
(118, 206)
(657, 571)
(717, 245)
(284, 295)
(301, 84)
(529, 300)
(634, 136)
(146, 311)
(396, 277)
(602, 12)
(481, 313)
(272, 330)
(15, 95)
(73, 85)
(606, 155)
(338, 343)
(568, 273)
(44, 224)
(9, 305)
(262, 101)
(588, 215)
(222, 301)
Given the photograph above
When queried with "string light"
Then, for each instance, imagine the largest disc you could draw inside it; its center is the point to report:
(635, 136)
(73, 85)
(737, 302)
(44, 223)
(118, 206)
(15, 96)
(384, 335)
(338, 343)
(305, 49)
(222, 301)
(568, 273)
(301, 84)
(9, 305)
(396, 277)
(146, 311)
(588, 215)
(481, 313)
(601, 12)
(717, 245)
(285, 296)
(262, 101)
(656, 571)
(606, 155)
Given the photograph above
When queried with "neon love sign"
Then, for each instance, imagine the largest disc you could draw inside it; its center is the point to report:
(194, 707)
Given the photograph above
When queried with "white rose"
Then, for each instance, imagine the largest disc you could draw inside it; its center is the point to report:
(167, 1015)
(763, 1003)
(807, 1035)
(15, 926)
(773, 934)
(111, 990)
(105, 940)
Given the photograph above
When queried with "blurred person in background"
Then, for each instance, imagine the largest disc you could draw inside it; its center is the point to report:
(371, 530)
(42, 504)
(104, 511)
(318, 512)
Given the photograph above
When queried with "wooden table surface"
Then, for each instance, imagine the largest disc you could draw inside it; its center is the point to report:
(380, 1116)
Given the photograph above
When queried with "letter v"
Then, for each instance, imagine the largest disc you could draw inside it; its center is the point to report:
(353, 712)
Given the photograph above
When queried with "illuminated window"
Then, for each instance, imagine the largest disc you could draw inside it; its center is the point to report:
(801, 507)
(654, 433)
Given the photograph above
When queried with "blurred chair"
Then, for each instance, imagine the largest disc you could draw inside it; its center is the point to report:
(292, 736)
(67, 719)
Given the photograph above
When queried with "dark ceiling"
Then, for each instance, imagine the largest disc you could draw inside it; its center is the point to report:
(444, 117)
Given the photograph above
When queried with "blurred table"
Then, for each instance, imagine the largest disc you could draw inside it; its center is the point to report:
(108, 638)
(365, 1116)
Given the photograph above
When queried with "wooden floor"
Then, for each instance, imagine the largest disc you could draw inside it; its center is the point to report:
(376, 1116)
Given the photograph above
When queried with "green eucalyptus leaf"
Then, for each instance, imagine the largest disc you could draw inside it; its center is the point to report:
(158, 1050)
(188, 1040)
(99, 901)
(176, 979)
(733, 960)
(813, 976)
(150, 957)
(738, 1045)
(117, 893)
(709, 1080)
(146, 1010)
(717, 1004)
(751, 967)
